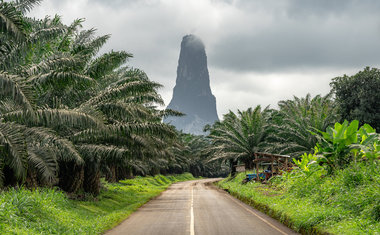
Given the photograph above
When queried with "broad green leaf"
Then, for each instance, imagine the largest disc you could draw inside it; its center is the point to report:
(368, 139)
(368, 128)
(351, 132)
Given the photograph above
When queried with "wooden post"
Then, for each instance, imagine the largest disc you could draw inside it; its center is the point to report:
(286, 164)
(278, 165)
(272, 168)
(257, 169)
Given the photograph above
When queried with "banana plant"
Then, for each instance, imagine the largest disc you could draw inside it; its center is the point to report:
(369, 146)
(307, 164)
(345, 142)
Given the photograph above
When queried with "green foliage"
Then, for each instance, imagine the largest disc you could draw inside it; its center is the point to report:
(358, 96)
(334, 190)
(49, 211)
(69, 115)
(192, 156)
(308, 164)
(239, 136)
(292, 125)
(344, 143)
(344, 203)
(370, 143)
(11, 21)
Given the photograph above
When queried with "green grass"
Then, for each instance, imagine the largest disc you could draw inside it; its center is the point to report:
(346, 203)
(49, 211)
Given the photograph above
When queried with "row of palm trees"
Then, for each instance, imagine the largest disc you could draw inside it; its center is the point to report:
(289, 130)
(68, 115)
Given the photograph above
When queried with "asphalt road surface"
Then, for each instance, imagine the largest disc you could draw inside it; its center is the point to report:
(198, 208)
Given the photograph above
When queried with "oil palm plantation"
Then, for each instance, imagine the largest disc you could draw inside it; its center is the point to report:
(69, 115)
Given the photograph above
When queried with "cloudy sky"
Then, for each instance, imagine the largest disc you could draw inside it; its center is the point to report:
(259, 51)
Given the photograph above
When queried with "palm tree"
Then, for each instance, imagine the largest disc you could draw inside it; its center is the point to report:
(239, 137)
(190, 154)
(297, 120)
(66, 116)
(21, 155)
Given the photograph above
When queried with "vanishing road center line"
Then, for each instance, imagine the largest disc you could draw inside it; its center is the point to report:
(192, 212)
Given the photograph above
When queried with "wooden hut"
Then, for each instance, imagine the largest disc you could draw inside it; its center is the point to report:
(277, 162)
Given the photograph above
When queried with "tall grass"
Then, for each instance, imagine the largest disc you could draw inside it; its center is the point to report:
(50, 211)
(347, 202)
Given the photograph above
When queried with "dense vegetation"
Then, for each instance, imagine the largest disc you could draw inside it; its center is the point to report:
(289, 130)
(67, 110)
(347, 203)
(70, 116)
(335, 189)
(358, 96)
(49, 211)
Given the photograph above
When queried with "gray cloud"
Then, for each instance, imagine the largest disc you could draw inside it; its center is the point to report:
(308, 34)
(259, 51)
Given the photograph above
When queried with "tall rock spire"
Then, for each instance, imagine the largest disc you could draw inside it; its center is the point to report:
(192, 94)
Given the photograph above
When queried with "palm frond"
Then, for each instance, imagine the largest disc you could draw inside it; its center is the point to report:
(14, 147)
(67, 151)
(9, 87)
(91, 47)
(169, 112)
(111, 154)
(11, 21)
(61, 79)
(54, 118)
(26, 5)
(66, 39)
(54, 62)
(123, 91)
(106, 63)
(44, 160)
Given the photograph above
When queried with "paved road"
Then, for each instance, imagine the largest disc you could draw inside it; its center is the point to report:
(195, 208)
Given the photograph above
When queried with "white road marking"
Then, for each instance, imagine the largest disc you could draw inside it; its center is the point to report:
(250, 211)
(192, 213)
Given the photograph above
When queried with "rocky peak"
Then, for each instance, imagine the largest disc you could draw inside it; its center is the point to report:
(192, 93)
